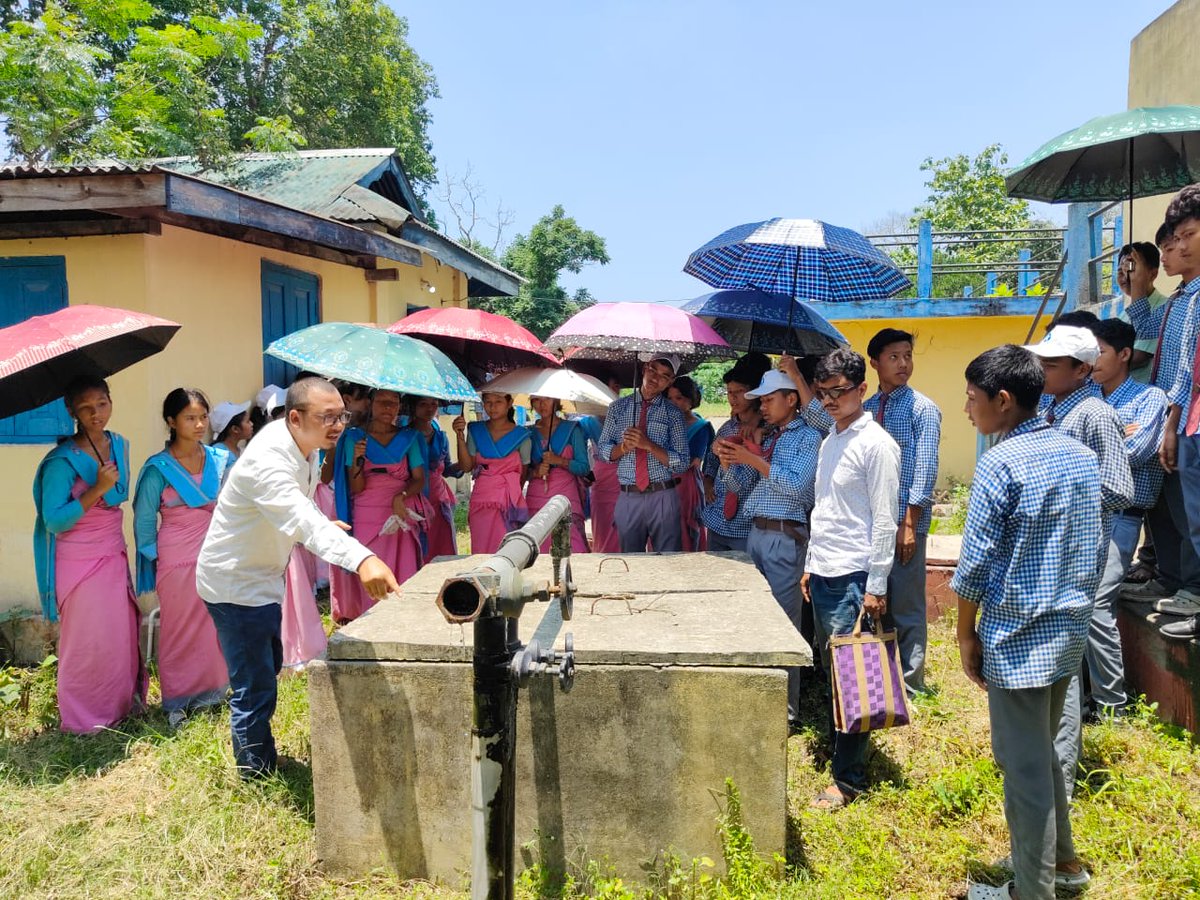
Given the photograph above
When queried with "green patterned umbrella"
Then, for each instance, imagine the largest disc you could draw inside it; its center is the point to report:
(1137, 153)
(374, 357)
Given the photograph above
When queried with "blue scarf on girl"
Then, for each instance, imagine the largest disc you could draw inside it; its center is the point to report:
(485, 446)
(380, 454)
(89, 470)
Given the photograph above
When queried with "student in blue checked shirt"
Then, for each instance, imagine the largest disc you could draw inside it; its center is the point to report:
(915, 424)
(1143, 409)
(779, 498)
(1078, 410)
(1027, 570)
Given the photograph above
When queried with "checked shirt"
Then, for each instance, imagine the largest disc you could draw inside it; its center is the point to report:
(665, 426)
(915, 423)
(1179, 350)
(1033, 523)
(787, 493)
(1144, 406)
(736, 479)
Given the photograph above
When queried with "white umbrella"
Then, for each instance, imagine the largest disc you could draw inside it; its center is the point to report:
(571, 388)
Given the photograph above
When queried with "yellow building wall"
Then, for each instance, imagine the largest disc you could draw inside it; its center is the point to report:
(1164, 70)
(212, 287)
(942, 348)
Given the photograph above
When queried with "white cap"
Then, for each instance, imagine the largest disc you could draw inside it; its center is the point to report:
(224, 413)
(773, 381)
(1068, 340)
(670, 359)
(270, 398)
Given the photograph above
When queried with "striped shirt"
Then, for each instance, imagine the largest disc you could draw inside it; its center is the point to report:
(665, 426)
(787, 492)
(915, 423)
(1145, 406)
(1033, 522)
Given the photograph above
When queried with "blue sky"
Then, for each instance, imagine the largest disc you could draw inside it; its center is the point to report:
(660, 124)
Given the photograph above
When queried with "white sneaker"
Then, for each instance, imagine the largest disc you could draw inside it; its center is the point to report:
(1184, 603)
(1151, 590)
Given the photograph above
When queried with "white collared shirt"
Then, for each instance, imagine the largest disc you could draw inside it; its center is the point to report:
(264, 509)
(853, 525)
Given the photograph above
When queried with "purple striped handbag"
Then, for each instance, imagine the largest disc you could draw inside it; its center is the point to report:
(868, 683)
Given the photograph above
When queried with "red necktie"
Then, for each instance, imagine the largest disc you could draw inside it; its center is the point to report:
(641, 458)
(883, 399)
(1193, 416)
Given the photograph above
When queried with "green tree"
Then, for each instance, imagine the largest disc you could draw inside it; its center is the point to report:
(968, 194)
(555, 244)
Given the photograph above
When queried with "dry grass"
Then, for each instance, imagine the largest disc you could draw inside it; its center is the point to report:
(146, 813)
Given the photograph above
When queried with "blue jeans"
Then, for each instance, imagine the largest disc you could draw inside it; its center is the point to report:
(836, 604)
(249, 639)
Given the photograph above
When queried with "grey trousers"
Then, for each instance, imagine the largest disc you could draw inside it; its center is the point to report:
(1036, 806)
(650, 517)
(1068, 740)
(719, 543)
(780, 559)
(906, 606)
(1106, 665)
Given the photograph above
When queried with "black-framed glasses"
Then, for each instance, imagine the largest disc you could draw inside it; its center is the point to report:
(836, 393)
(331, 419)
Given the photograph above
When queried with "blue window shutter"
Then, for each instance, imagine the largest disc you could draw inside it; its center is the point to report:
(291, 300)
(33, 286)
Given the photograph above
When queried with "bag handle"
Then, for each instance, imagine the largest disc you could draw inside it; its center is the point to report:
(875, 621)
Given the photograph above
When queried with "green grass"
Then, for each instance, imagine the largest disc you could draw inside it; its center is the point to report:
(143, 812)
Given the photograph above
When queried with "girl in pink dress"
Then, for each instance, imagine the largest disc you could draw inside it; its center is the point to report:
(179, 486)
(498, 451)
(83, 567)
(380, 471)
(561, 450)
(685, 394)
(441, 536)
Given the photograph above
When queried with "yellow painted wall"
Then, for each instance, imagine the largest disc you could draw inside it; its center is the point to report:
(942, 349)
(212, 287)
(1164, 70)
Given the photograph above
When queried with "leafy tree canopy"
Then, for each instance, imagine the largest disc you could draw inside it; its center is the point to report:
(555, 244)
(132, 79)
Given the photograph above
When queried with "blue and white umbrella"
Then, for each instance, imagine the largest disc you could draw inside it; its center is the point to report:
(767, 322)
(803, 258)
(367, 355)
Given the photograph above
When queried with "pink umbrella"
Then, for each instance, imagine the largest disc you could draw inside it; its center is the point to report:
(476, 339)
(627, 330)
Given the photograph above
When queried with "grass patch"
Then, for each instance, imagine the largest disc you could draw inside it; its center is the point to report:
(145, 812)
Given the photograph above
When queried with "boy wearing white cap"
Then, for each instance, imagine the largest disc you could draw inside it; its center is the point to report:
(645, 434)
(1077, 409)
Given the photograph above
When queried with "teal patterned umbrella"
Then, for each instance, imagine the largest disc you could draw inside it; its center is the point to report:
(374, 357)
(1137, 153)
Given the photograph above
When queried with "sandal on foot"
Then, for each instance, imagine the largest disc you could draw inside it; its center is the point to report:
(1061, 878)
(990, 891)
(829, 800)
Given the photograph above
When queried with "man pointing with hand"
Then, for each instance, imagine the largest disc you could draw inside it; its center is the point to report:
(264, 509)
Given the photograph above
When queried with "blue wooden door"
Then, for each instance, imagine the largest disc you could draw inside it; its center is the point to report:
(33, 286)
(291, 300)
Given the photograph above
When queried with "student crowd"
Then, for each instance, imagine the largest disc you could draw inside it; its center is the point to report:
(827, 490)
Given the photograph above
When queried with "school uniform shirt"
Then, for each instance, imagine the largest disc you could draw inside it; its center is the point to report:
(853, 523)
(788, 491)
(665, 426)
(264, 509)
(1085, 416)
(915, 424)
(1179, 350)
(1033, 522)
(1146, 407)
(737, 480)
(1146, 316)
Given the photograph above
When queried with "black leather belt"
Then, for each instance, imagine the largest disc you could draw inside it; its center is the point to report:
(654, 486)
(797, 531)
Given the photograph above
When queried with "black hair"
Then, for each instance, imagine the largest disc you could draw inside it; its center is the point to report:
(1146, 250)
(351, 389)
(258, 418)
(179, 400)
(1078, 318)
(843, 362)
(1165, 233)
(512, 410)
(1186, 205)
(1117, 334)
(749, 369)
(300, 389)
(885, 337)
(1009, 368)
(688, 387)
(81, 386)
(233, 423)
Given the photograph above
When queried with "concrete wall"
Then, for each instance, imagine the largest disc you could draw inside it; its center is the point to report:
(1164, 69)
(943, 347)
(212, 287)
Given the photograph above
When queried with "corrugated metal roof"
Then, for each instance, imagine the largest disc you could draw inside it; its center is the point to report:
(97, 167)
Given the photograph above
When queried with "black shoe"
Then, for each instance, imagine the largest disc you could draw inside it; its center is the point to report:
(1183, 630)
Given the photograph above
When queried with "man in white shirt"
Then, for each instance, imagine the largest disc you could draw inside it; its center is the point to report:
(264, 509)
(853, 538)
